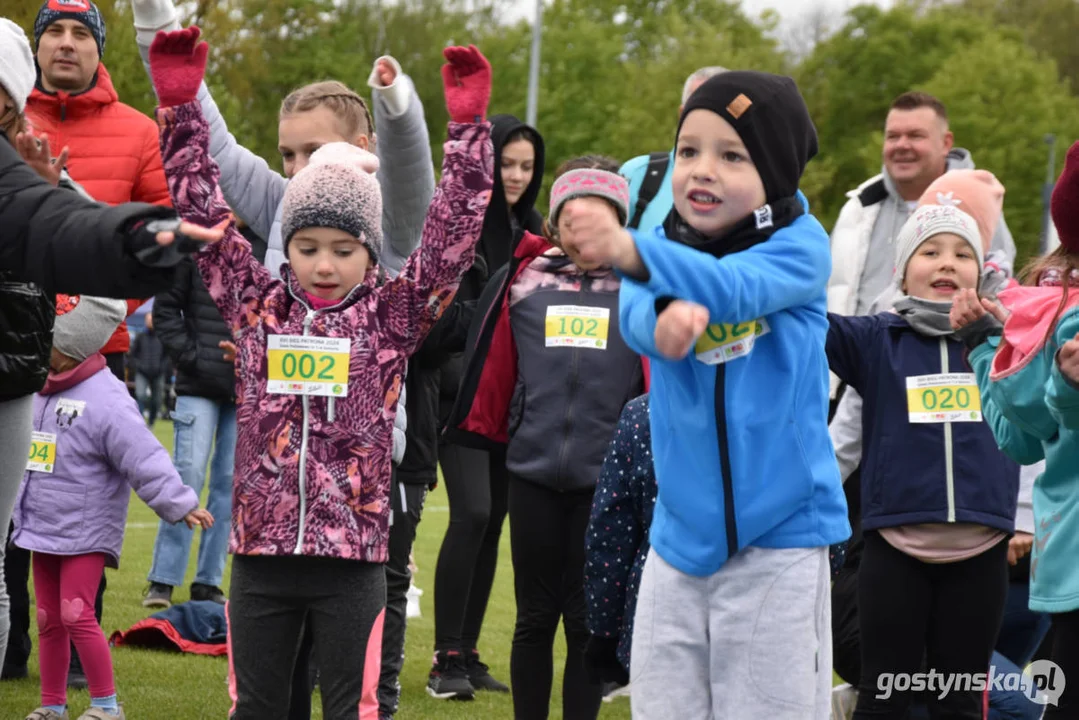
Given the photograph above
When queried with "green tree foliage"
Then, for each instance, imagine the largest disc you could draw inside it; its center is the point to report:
(1002, 100)
(612, 72)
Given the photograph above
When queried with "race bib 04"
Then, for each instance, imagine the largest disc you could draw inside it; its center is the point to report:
(722, 343)
(42, 452)
(946, 397)
(577, 326)
(299, 365)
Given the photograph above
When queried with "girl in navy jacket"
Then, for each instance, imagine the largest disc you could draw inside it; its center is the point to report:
(938, 496)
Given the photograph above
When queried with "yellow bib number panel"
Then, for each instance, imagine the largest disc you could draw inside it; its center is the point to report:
(299, 365)
(42, 452)
(721, 343)
(946, 397)
(577, 326)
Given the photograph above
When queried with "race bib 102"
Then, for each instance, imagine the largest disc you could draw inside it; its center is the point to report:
(946, 397)
(722, 343)
(298, 365)
(577, 326)
(42, 452)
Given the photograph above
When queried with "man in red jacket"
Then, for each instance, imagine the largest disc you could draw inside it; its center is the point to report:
(113, 148)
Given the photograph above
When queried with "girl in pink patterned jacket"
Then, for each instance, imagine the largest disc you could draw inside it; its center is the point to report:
(320, 359)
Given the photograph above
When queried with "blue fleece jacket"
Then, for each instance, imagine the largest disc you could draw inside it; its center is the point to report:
(741, 446)
(915, 472)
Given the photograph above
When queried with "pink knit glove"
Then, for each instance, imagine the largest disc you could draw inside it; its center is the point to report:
(177, 65)
(466, 77)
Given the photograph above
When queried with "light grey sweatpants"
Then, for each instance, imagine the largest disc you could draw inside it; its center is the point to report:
(16, 425)
(753, 640)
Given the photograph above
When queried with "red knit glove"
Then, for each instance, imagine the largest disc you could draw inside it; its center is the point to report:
(177, 65)
(466, 77)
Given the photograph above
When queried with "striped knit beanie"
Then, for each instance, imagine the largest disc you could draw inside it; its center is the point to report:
(589, 182)
(83, 11)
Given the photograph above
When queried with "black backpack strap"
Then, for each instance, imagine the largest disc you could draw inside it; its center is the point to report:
(653, 178)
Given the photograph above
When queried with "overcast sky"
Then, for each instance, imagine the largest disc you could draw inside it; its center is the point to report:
(789, 10)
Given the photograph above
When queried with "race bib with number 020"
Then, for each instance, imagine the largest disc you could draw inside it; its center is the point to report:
(945, 397)
(299, 365)
(42, 452)
(721, 343)
(577, 326)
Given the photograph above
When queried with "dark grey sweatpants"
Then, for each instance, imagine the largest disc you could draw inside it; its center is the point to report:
(343, 602)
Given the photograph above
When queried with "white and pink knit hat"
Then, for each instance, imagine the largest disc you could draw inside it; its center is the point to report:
(338, 190)
(589, 182)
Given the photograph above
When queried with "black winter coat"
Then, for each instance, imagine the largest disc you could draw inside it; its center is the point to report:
(191, 328)
(52, 240)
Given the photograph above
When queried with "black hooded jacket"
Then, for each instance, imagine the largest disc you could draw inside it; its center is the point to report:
(55, 240)
(435, 370)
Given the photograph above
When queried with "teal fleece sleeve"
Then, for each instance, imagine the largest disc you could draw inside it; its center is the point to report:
(1061, 393)
(1020, 446)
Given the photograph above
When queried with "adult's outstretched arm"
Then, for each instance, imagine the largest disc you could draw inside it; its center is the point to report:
(68, 244)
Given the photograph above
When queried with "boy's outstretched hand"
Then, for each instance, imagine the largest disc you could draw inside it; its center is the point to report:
(678, 327)
(177, 65)
(968, 308)
(199, 517)
(466, 78)
(594, 232)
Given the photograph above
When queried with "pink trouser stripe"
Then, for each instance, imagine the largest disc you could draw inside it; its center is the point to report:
(372, 668)
(232, 668)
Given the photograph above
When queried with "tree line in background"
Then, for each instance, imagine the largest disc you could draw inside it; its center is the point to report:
(612, 72)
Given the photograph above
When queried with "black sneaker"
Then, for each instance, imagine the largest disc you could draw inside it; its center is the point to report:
(448, 679)
(14, 672)
(76, 678)
(158, 595)
(207, 592)
(480, 675)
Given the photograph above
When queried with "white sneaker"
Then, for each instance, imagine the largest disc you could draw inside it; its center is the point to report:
(412, 610)
(844, 700)
(614, 690)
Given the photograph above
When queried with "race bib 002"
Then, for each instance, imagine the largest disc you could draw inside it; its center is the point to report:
(298, 365)
(946, 397)
(42, 452)
(722, 343)
(577, 326)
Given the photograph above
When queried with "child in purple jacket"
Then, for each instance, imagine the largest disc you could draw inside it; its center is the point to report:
(90, 448)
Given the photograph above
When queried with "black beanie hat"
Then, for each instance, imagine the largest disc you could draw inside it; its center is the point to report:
(770, 117)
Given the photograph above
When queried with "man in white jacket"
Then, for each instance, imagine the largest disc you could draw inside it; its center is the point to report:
(918, 149)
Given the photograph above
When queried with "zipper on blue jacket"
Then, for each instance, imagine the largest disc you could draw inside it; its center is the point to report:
(725, 460)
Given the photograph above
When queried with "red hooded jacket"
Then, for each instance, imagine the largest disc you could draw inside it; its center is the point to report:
(113, 152)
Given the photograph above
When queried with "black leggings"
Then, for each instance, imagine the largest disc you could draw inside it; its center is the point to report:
(476, 489)
(948, 614)
(1066, 655)
(547, 531)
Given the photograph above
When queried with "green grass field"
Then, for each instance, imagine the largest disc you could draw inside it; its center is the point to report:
(155, 685)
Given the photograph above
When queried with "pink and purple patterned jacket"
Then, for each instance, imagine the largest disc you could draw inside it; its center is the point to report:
(313, 473)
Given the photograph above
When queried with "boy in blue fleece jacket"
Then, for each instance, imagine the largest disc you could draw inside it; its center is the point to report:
(729, 298)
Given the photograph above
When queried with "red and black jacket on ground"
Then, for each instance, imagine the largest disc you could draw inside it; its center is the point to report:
(554, 406)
